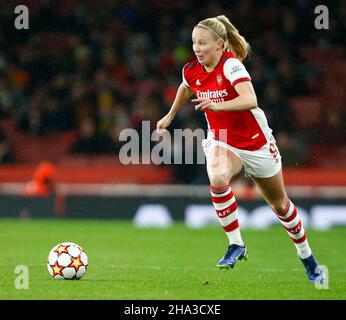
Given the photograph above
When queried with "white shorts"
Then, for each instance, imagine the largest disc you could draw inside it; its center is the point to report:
(261, 163)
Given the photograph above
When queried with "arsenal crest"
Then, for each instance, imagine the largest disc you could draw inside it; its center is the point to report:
(219, 79)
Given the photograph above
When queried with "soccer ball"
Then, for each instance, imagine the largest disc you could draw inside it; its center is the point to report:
(67, 261)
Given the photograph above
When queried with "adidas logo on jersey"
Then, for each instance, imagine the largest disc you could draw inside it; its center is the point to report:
(198, 83)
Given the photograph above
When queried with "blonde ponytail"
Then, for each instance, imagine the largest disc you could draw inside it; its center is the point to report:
(235, 42)
(222, 28)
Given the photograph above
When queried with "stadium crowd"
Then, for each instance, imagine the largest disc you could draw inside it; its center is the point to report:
(102, 66)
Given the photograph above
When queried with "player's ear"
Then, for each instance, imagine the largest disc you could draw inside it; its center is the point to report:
(220, 43)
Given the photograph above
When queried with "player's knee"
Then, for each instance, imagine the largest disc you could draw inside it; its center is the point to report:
(279, 205)
(219, 180)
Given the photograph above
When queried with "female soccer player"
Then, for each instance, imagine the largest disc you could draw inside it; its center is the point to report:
(238, 136)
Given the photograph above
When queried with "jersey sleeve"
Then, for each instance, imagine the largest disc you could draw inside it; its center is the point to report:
(184, 76)
(235, 71)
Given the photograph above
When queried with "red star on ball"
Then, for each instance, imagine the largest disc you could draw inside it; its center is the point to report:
(61, 249)
(57, 270)
(76, 263)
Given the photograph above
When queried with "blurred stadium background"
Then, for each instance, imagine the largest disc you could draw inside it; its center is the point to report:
(85, 70)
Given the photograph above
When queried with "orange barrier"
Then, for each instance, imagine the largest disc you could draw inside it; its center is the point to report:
(315, 176)
(116, 173)
(112, 171)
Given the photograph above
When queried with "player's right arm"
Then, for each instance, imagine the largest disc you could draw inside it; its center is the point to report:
(183, 95)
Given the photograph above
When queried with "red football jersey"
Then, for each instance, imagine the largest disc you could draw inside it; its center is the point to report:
(244, 129)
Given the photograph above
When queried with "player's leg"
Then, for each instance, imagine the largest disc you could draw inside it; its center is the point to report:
(273, 191)
(222, 165)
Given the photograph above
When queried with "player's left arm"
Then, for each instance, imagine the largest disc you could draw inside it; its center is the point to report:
(246, 100)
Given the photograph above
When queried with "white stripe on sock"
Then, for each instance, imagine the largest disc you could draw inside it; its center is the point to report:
(229, 219)
(304, 250)
(224, 205)
(292, 223)
(235, 237)
(220, 195)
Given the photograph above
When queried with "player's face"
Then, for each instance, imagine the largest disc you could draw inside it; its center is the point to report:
(205, 46)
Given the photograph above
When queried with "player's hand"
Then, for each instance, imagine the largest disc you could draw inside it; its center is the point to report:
(205, 104)
(164, 123)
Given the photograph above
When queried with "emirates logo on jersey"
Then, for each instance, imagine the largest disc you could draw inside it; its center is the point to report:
(219, 79)
(215, 95)
(212, 94)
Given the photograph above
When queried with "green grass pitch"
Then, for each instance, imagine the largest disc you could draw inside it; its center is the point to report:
(176, 263)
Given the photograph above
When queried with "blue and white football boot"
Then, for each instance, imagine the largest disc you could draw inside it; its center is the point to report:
(313, 270)
(234, 253)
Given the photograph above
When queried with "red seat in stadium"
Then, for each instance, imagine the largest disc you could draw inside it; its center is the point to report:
(307, 111)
